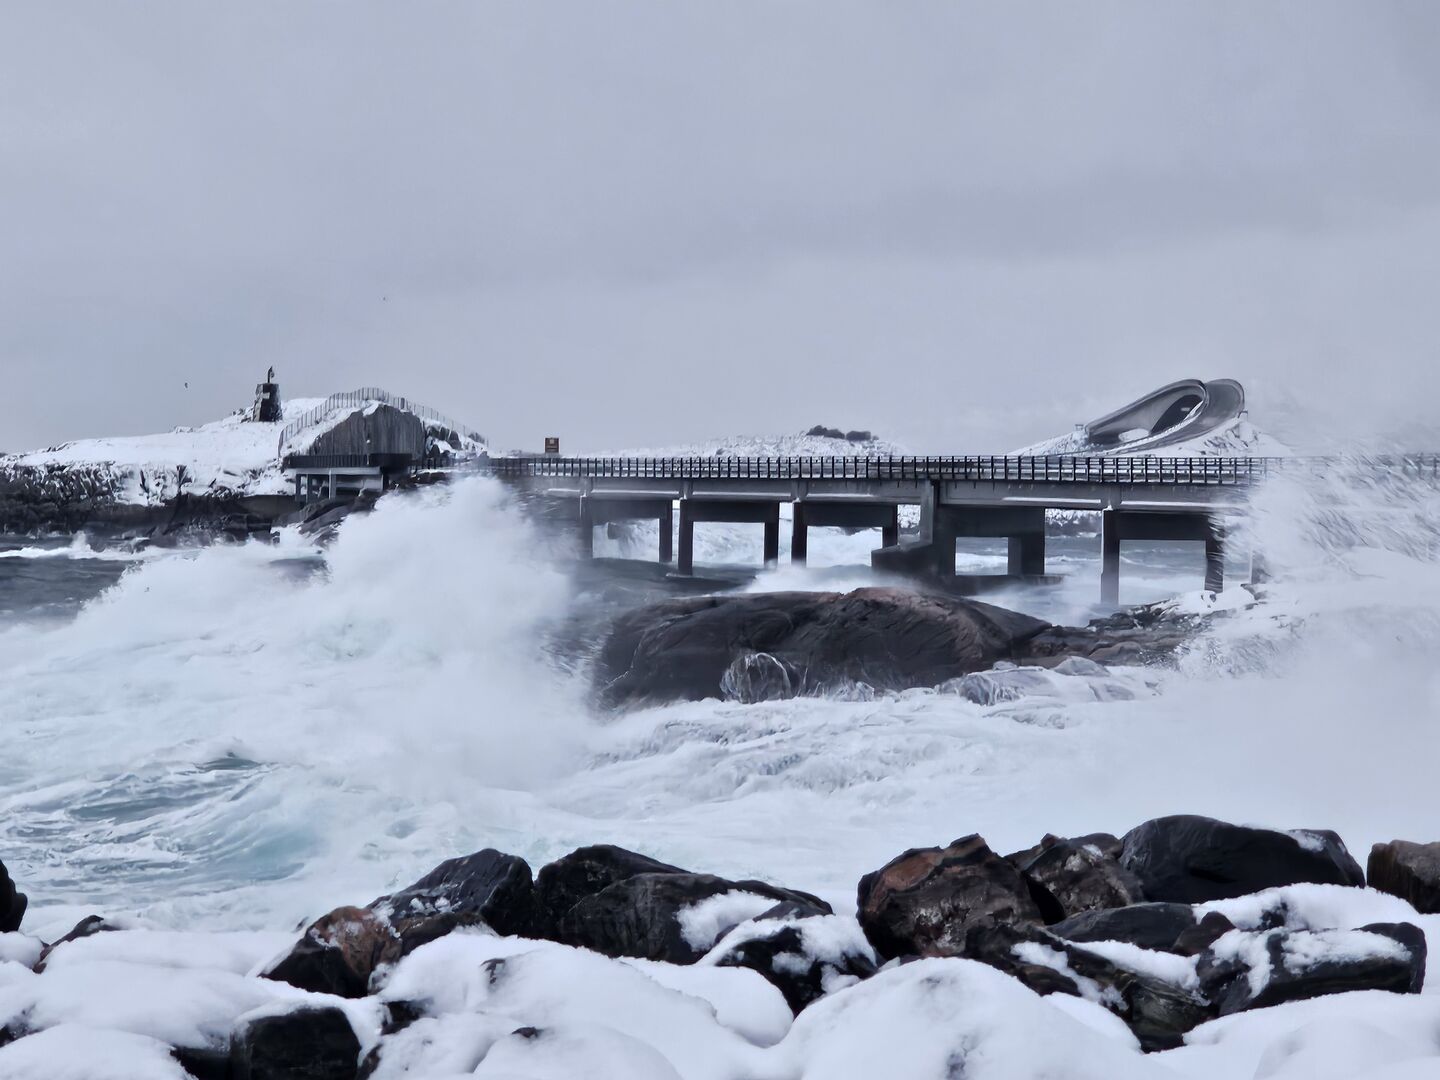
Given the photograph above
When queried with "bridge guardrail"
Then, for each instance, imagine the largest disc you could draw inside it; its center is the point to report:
(1054, 469)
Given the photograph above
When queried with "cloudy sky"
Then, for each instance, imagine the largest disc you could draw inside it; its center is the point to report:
(967, 226)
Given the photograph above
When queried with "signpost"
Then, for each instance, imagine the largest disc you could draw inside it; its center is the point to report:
(552, 444)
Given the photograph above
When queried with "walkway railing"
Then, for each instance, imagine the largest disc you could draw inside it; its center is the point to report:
(353, 399)
(1056, 469)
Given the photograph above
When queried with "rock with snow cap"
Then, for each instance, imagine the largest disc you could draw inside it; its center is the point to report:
(922, 903)
(339, 953)
(1250, 970)
(1156, 926)
(302, 1044)
(1159, 1010)
(666, 916)
(804, 957)
(1190, 859)
(487, 887)
(1409, 871)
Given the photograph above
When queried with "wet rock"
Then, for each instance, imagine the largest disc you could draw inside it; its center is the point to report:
(1202, 935)
(1140, 635)
(339, 953)
(1409, 871)
(885, 638)
(12, 903)
(86, 927)
(1190, 859)
(1067, 877)
(1000, 685)
(562, 884)
(804, 958)
(923, 902)
(487, 887)
(1157, 1011)
(1252, 970)
(758, 676)
(1150, 926)
(667, 916)
(305, 1044)
(203, 1063)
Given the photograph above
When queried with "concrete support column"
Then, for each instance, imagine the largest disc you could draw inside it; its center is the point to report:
(1215, 558)
(587, 529)
(945, 534)
(686, 562)
(772, 535)
(667, 533)
(890, 531)
(1110, 557)
(1027, 554)
(799, 536)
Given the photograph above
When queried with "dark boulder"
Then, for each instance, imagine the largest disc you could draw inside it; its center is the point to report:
(1147, 634)
(562, 884)
(487, 887)
(339, 953)
(1203, 934)
(1189, 859)
(1409, 871)
(1158, 1012)
(203, 1062)
(804, 958)
(886, 638)
(758, 676)
(1253, 970)
(923, 902)
(12, 903)
(304, 1044)
(1067, 877)
(645, 915)
(1150, 926)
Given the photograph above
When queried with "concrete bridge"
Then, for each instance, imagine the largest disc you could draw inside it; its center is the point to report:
(1137, 498)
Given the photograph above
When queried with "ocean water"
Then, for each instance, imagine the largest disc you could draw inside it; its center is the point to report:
(248, 735)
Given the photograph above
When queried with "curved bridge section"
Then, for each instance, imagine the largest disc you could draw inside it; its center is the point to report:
(1175, 413)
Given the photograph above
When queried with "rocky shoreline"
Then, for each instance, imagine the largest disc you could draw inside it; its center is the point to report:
(764, 646)
(1090, 952)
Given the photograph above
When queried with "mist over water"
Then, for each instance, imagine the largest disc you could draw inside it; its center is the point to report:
(249, 734)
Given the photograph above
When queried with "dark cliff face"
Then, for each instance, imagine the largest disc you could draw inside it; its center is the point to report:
(56, 498)
(887, 638)
(99, 499)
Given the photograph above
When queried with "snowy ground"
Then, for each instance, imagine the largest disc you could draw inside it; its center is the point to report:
(233, 455)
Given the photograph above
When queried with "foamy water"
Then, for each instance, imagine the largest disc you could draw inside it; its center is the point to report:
(218, 739)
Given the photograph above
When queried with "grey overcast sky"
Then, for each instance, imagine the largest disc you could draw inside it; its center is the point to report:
(964, 225)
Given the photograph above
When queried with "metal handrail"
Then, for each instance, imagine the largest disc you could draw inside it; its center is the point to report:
(353, 399)
(1052, 469)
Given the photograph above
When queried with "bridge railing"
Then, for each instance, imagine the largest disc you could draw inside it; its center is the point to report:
(353, 399)
(1054, 469)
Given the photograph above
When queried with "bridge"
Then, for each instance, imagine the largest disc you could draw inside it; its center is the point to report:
(1137, 498)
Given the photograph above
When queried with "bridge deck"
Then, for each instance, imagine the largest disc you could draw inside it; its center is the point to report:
(1054, 469)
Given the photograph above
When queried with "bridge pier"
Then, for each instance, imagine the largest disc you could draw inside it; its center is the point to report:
(1118, 525)
(596, 510)
(848, 515)
(941, 524)
(761, 512)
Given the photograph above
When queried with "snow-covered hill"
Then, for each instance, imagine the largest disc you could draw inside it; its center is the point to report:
(233, 456)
